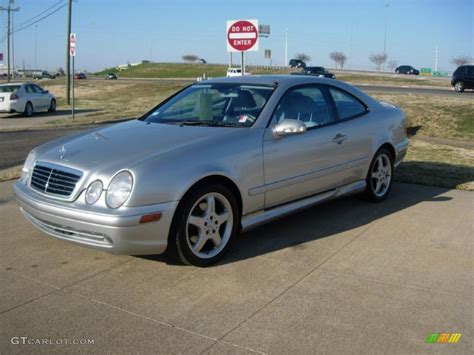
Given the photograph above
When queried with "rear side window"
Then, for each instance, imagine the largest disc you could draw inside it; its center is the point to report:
(347, 106)
(29, 89)
(470, 70)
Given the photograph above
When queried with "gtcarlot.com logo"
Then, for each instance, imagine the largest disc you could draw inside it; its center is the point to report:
(50, 341)
(443, 338)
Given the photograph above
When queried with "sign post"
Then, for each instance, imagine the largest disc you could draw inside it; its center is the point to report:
(242, 36)
(72, 53)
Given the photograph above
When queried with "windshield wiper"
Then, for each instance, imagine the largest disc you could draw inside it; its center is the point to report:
(209, 123)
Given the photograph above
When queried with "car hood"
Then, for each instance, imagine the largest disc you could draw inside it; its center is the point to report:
(122, 145)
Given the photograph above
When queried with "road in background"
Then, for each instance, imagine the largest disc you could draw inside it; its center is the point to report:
(16, 145)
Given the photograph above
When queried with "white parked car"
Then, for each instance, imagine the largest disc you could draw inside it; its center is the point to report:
(25, 98)
(235, 72)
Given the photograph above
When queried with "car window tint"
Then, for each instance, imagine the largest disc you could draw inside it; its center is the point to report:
(38, 89)
(29, 89)
(470, 70)
(305, 104)
(347, 106)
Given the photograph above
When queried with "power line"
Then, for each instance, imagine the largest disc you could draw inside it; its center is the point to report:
(21, 28)
(40, 19)
(41, 13)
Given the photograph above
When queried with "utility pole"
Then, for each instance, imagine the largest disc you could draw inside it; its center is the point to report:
(68, 58)
(286, 46)
(9, 10)
(436, 59)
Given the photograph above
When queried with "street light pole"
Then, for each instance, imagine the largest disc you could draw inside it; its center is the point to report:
(36, 64)
(286, 46)
(385, 35)
(68, 56)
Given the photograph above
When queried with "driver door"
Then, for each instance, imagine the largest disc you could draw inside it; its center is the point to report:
(300, 165)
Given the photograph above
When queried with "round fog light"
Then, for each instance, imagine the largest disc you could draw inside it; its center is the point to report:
(93, 192)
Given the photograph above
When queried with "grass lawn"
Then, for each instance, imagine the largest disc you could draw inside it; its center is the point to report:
(443, 117)
(192, 71)
(426, 163)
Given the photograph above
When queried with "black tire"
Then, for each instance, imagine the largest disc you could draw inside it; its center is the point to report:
(181, 228)
(52, 106)
(28, 109)
(459, 86)
(371, 193)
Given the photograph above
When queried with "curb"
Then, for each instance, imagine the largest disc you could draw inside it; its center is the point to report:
(65, 126)
(10, 173)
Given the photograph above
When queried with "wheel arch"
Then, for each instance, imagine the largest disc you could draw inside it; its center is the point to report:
(216, 179)
(390, 148)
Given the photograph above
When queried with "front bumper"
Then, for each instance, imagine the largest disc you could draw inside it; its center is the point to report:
(118, 233)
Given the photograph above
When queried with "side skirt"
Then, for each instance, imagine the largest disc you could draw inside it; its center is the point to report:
(258, 218)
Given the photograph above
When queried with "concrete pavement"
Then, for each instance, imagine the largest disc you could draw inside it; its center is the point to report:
(345, 277)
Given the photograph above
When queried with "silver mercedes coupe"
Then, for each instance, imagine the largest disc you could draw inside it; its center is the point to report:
(217, 158)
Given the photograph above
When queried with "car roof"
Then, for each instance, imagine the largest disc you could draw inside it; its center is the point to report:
(269, 79)
(16, 84)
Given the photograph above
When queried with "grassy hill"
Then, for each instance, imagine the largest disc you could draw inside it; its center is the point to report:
(181, 70)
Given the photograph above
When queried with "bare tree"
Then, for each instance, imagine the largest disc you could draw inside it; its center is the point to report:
(339, 58)
(303, 57)
(461, 60)
(392, 64)
(378, 59)
(190, 58)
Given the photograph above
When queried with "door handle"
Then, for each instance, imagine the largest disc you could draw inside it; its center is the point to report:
(339, 138)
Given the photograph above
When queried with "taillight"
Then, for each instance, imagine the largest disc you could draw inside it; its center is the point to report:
(14, 97)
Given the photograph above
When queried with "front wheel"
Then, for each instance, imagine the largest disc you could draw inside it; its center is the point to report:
(459, 86)
(52, 106)
(380, 176)
(205, 225)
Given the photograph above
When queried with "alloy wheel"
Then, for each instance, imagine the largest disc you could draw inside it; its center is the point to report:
(381, 175)
(209, 225)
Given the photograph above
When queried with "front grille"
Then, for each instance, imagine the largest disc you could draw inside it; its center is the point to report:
(54, 180)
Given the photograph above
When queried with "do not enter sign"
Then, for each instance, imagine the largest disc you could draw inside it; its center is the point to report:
(242, 35)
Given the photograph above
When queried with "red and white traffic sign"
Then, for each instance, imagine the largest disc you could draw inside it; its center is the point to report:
(242, 35)
(72, 44)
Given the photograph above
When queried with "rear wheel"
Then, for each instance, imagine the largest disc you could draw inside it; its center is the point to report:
(380, 177)
(205, 225)
(28, 109)
(52, 106)
(459, 86)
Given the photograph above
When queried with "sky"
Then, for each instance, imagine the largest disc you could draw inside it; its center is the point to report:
(113, 32)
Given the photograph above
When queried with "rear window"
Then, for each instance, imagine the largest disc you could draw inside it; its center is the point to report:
(9, 88)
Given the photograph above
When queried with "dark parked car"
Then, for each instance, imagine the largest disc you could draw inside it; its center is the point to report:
(80, 76)
(407, 69)
(463, 78)
(43, 75)
(111, 76)
(318, 71)
(296, 63)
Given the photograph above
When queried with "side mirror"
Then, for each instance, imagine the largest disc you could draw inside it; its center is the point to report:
(289, 126)
(46, 91)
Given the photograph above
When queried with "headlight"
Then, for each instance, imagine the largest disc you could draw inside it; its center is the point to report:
(28, 166)
(119, 189)
(93, 192)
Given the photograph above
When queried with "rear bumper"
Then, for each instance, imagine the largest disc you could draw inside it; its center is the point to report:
(117, 233)
(10, 107)
(401, 151)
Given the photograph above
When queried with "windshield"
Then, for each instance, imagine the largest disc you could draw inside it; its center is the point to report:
(228, 105)
(9, 88)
